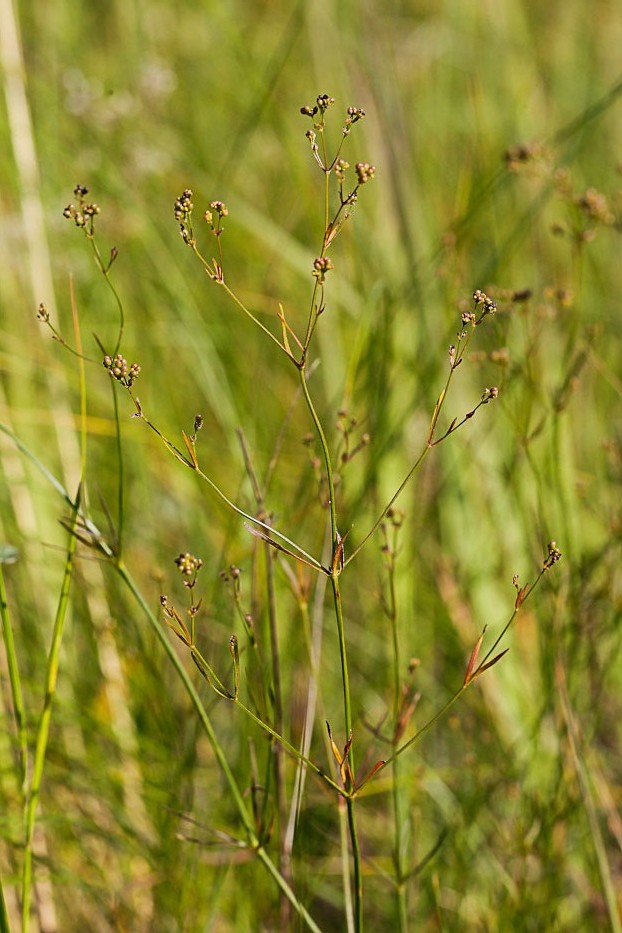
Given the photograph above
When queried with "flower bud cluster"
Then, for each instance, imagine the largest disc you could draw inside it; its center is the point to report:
(553, 556)
(341, 166)
(364, 172)
(183, 210)
(323, 102)
(219, 208)
(489, 394)
(188, 565)
(482, 300)
(321, 266)
(84, 213)
(119, 369)
(354, 115)
(183, 206)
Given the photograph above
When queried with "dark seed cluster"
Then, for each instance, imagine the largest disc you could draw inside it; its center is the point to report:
(84, 212)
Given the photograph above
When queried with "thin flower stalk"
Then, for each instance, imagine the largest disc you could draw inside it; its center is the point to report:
(219, 752)
(470, 320)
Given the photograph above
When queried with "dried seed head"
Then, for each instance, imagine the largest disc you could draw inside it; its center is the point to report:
(354, 115)
(324, 102)
(311, 136)
(484, 303)
(321, 266)
(522, 154)
(596, 206)
(219, 208)
(84, 212)
(183, 206)
(553, 556)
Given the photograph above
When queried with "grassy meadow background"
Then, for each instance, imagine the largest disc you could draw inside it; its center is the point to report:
(511, 802)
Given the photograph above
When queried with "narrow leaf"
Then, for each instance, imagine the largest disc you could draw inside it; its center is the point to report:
(520, 596)
(468, 677)
(190, 448)
(281, 317)
(279, 547)
(333, 745)
(379, 764)
(489, 664)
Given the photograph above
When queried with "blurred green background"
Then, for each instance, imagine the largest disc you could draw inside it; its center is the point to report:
(141, 100)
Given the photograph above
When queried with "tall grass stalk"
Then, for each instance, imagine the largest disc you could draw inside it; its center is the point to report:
(33, 786)
(268, 791)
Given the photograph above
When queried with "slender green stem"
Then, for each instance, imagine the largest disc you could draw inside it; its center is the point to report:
(120, 472)
(43, 729)
(16, 684)
(294, 752)
(345, 676)
(583, 774)
(256, 521)
(264, 858)
(274, 648)
(450, 702)
(256, 320)
(161, 634)
(312, 317)
(344, 834)
(334, 576)
(277, 687)
(326, 186)
(327, 460)
(426, 728)
(164, 640)
(219, 279)
(358, 875)
(300, 554)
(507, 625)
(460, 350)
(347, 707)
(105, 271)
(4, 916)
(389, 504)
(277, 750)
(396, 796)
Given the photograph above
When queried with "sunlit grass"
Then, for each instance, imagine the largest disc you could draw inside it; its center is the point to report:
(512, 796)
